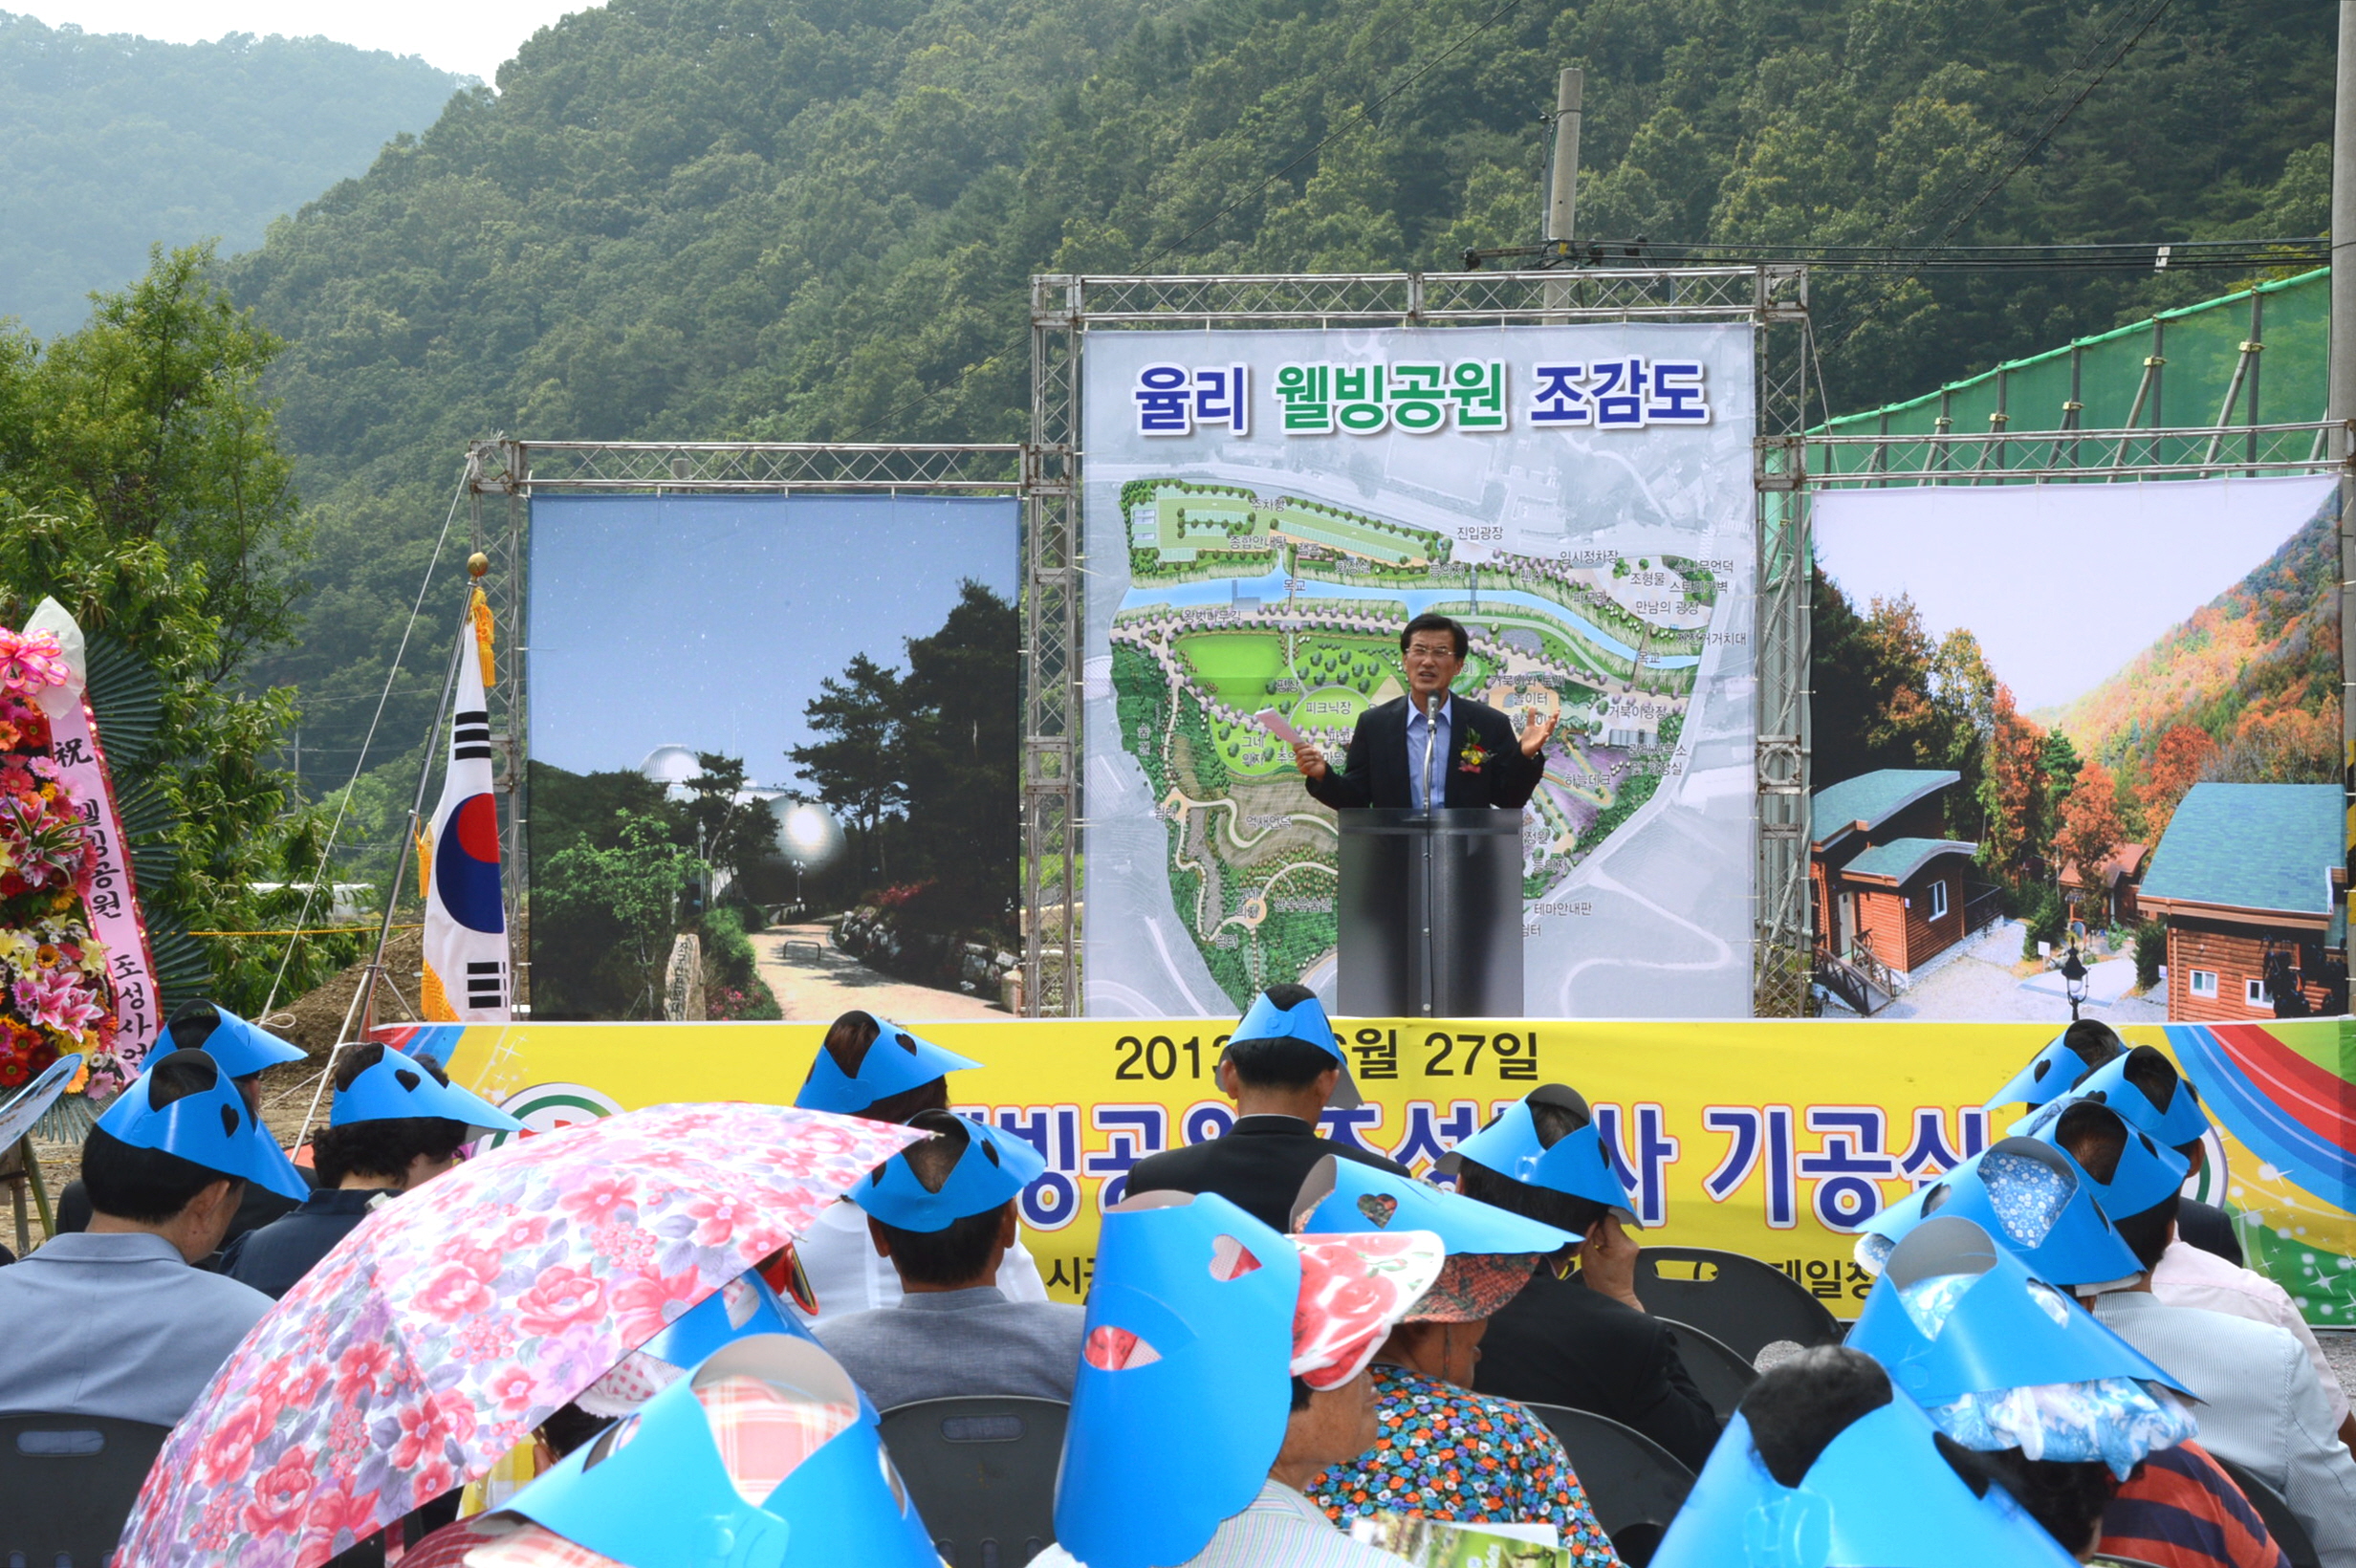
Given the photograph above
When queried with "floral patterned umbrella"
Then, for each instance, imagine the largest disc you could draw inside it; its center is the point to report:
(452, 1323)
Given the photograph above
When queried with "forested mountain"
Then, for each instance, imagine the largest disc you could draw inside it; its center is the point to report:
(814, 218)
(111, 144)
(2248, 683)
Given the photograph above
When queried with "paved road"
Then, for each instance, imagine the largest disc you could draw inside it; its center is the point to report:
(1979, 985)
(815, 982)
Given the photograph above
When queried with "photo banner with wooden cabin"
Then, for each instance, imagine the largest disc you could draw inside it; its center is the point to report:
(2077, 751)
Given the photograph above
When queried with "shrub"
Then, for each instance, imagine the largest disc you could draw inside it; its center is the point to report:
(2150, 953)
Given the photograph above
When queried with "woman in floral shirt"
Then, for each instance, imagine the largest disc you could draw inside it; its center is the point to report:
(1442, 1451)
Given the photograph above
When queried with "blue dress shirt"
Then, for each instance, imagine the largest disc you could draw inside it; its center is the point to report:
(1416, 724)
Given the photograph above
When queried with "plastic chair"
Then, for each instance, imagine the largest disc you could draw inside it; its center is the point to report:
(67, 1483)
(1634, 1485)
(1743, 1303)
(2281, 1522)
(982, 1472)
(1722, 1375)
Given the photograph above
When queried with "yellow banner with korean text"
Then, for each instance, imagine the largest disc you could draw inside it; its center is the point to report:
(1769, 1138)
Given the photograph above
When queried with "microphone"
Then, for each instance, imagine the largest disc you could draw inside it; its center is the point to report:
(1432, 726)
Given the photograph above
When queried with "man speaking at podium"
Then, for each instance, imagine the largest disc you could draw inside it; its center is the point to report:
(1468, 749)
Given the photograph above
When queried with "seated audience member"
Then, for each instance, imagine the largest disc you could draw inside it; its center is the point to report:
(1576, 1339)
(877, 1069)
(1224, 1366)
(2035, 1199)
(1442, 1451)
(2059, 1410)
(398, 1123)
(1826, 1464)
(136, 1332)
(2141, 1087)
(2057, 1069)
(2262, 1406)
(764, 1454)
(944, 1213)
(241, 1050)
(1282, 1067)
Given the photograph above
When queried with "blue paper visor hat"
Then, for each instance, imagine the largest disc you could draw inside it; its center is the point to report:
(397, 1086)
(660, 1490)
(2147, 1170)
(895, 1062)
(212, 1127)
(25, 1109)
(1990, 1325)
(1880, 1495)
(1305, 1021)
(2031, 1198)
(2050, 1073)
(1342, 1197)
(240, 1048)
(1577, 1163)
(995, 1166)
(2182, 1123)
(743, 1307)
(1185, 1381)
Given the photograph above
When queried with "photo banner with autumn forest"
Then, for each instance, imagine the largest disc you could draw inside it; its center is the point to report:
(784, 726)
(2078, 744)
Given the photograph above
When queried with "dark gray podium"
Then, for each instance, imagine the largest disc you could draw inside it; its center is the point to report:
(1430, 914)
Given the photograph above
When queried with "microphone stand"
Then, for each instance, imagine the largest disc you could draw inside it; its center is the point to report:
(1431, 724)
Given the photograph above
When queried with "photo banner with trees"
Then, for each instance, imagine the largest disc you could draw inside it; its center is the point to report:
(1266, 510)
(785, 725)
(2078, 720)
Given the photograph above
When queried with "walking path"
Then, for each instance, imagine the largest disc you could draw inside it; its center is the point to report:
(815, 982)
(1977, 983)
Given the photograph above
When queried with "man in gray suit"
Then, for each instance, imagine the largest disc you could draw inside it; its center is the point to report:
(136, 1331)
(944, 1213)
(2261, 1404)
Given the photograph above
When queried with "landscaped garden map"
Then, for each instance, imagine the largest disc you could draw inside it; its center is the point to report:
(1240, 602)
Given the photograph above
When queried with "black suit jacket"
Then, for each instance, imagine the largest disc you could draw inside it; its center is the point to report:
(2209, 1229)
(1375, 771)
(1259, 1166)
(1559, 1342)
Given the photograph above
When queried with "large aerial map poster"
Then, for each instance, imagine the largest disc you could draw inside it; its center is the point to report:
(1265, 511)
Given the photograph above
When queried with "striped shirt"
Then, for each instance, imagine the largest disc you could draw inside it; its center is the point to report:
(2181, 1511)
(1279, 1529)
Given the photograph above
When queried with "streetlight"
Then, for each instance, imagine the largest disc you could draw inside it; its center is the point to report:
(2074, 980)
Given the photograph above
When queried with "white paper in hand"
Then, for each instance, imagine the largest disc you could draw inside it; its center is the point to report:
(1278, 725)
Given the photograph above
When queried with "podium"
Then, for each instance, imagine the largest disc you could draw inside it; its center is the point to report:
(1429, 913)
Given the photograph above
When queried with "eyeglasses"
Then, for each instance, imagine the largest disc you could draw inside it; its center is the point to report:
(1422, 651)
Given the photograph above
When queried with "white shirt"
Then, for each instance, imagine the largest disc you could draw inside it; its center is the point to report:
(846, 1275)
(2189, 1277)
(1417, 723)
(1279, 1529)
(2260, 1408)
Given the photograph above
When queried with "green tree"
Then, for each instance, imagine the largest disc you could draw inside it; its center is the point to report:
(142, 485)
(857, 769)
(961, 745)
(633, 887)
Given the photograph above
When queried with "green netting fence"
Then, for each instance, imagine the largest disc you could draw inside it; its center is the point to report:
(2249, 359)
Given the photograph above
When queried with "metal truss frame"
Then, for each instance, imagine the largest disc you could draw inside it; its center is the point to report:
(2021, 457)
(1772, 299)
(510, 472)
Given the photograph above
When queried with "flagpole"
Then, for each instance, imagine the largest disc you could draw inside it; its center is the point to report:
(363, 998)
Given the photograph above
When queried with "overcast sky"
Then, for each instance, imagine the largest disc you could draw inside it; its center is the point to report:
(2064, 584)
(469, 36)
(708, 621)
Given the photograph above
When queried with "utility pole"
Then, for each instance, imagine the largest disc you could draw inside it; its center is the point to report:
(1563, 182)
(2341, 404)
